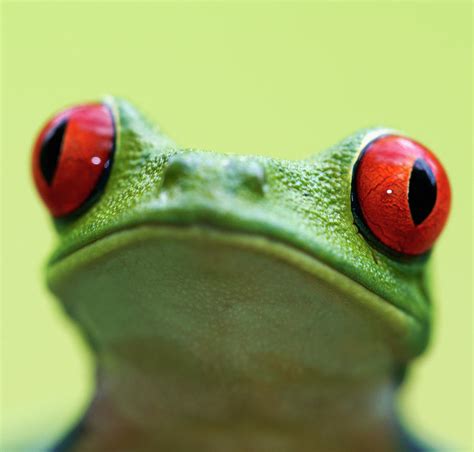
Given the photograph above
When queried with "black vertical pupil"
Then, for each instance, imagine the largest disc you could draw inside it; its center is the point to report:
(421, 191)
(51, 150)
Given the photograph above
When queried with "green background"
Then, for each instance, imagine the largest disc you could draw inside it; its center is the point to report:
(268, 78)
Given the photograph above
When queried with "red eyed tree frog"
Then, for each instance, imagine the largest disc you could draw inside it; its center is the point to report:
(239, 303)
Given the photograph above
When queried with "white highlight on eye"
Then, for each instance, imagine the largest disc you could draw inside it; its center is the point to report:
(96, 160)
(389, 191)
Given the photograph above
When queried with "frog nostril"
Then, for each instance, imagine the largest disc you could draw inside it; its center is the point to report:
(252, 176)
(178, 167)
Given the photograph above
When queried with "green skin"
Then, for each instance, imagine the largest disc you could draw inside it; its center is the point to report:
(232, 303)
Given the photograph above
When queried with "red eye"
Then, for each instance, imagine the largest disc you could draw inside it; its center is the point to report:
(72, 156)
(400, 195)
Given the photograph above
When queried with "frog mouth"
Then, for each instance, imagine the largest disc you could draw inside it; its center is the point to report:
(405, 334)
(253, 221)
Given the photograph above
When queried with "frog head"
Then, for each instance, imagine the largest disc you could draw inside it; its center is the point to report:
(248, 265)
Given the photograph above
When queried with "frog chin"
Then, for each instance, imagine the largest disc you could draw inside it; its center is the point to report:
(197, 299)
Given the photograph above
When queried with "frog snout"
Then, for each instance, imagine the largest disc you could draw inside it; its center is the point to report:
(189, 170)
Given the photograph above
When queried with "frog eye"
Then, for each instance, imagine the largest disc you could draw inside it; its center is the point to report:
(72, 157)
(400, 195)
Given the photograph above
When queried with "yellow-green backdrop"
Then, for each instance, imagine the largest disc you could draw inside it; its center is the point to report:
(285, 79)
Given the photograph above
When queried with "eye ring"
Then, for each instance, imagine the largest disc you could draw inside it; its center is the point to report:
(72, 158)
(400, 195)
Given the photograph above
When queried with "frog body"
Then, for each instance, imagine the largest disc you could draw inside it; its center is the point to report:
(237, 302)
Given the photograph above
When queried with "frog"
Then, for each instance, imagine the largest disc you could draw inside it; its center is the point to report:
(236, 302)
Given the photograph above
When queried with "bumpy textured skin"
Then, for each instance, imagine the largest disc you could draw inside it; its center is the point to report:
(305, 203)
